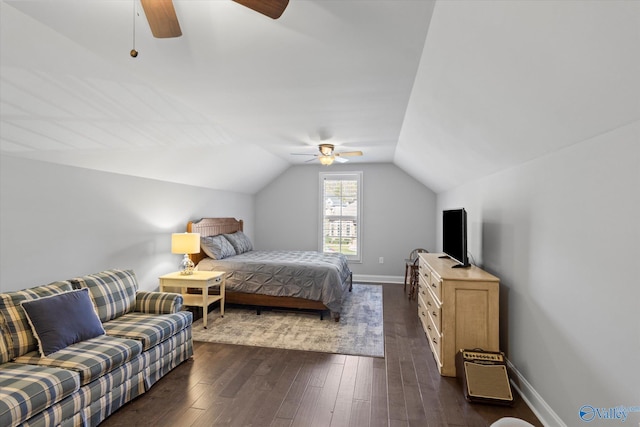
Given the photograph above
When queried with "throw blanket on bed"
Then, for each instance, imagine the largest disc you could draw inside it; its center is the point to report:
(311, 275)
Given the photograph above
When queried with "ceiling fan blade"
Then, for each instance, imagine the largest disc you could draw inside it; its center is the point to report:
(348, 153)
(303, 154)
(271, 8)
(162, 18)
(340, 160)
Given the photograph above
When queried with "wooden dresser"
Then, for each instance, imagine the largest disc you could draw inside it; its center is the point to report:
(458, 309)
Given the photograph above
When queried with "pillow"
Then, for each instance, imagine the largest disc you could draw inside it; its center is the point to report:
(217, 247)
(240, 242)
(5, 348)
(113, 292)
(20, 339)
(53, 329)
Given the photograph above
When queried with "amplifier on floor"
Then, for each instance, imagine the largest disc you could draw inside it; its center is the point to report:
(484, 377)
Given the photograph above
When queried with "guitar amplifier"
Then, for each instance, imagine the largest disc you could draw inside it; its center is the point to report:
(484, 377)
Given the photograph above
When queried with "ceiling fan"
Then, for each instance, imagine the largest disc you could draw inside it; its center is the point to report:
(164, 22)
(327, 155)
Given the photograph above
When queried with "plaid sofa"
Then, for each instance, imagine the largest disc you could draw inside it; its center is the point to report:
(80, 385)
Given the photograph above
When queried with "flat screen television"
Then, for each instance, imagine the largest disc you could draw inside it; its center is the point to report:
(454, 235)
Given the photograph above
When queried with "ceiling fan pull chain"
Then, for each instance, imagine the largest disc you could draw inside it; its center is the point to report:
(134, 52)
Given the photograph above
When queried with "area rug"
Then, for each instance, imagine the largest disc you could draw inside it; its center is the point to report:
(359, 331)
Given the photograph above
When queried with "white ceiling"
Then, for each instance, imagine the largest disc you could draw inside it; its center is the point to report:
(449, 90)
(504, 82)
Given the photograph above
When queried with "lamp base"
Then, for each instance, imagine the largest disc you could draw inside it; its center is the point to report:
(186, 266)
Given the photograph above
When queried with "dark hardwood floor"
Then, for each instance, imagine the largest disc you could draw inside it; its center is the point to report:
(249, 386)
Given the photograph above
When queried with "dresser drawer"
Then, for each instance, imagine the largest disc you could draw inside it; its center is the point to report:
(423, 314)
(434, 339)
(435, 285)
(215, 281)
(424, 271)
(423, 286)
(431, 279)
(423, 307)
(434, 309)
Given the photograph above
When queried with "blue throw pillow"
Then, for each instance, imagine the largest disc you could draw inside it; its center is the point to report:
(61, 320)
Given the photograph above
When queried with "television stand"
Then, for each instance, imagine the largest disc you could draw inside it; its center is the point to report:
(458, 265)
(461, 266)
(457, 309)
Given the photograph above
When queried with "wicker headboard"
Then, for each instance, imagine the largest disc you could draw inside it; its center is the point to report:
(212, 227)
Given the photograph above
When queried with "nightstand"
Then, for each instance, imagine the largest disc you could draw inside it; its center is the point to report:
(198, 280)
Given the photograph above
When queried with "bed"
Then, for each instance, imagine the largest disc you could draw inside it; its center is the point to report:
(283, 279)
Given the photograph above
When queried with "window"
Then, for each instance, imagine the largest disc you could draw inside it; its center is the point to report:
(340, 204)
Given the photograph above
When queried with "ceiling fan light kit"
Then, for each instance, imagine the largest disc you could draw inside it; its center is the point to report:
(326, 149)
(327, 156)
(326, 160)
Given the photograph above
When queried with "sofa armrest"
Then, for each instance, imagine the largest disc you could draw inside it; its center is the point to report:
(158, 302)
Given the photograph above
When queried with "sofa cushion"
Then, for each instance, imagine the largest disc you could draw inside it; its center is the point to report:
(5, 348)
(65, 412)
(26, 390)
(54, 331)
(21, 339)
(113, 292)
(151, 329)
(91, 358)
(158, 302)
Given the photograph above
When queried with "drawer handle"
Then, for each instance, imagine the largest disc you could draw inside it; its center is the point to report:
(433, 285)
(434, 341)
(429, 327)
(429, 303)
(434, 314)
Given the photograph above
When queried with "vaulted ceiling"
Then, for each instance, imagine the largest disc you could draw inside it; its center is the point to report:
(449, 91)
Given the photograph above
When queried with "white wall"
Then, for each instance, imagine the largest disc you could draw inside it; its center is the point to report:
(398, 215)
(58, 222)
(562, 233)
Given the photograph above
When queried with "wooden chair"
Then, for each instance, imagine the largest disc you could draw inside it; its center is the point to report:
(411, 272)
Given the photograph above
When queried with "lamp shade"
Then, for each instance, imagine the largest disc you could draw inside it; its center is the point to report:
(185, 243)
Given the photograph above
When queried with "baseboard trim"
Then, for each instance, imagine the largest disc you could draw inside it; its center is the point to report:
(371, 278)
(543, 411)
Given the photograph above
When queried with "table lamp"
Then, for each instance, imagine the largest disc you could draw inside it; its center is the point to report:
(185, 243)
